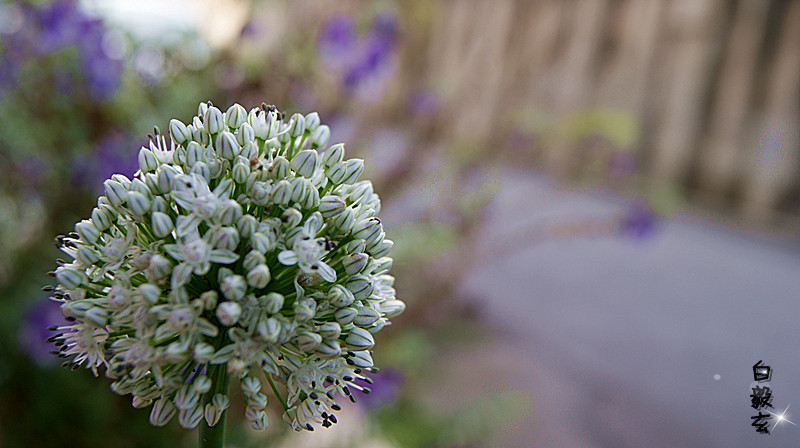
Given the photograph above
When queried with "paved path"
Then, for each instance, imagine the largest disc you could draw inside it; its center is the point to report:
(631, 334)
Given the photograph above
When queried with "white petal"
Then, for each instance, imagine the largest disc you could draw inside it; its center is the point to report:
(223, 256)
(326, 272)
(287, 257)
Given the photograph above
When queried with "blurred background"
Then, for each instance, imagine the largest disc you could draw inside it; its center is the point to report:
(595, 204)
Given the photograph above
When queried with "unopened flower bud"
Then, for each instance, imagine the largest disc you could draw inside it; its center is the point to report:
(367, 229)
(382, 248)
(203, 352)
(362, 359)
(247, 225)
(282, 192)
(280, 168)
(178, 131)
(228, 313)
(344, 221)
(190, 418)
(308, 341)
(162, 412)
(352, 170)
(213, 120)
(160, 267)
(138, 203)
(103, 217)
(258, 277)
(330, 206)
(359, 339)
(240, 172)
(87, 231)
(339, 296)
(329, 330)
(312, 121)
(329, 349)
(235, 116)
(226, 145)
(147, 160)
(70, 278)
(305, 162)
(225, 238)
(273, 302)
(334, 155)
(96, 316)
(233, 287)
(297, 125)
(115, 192)
(345, 316)
(360, 285)
(366, 316)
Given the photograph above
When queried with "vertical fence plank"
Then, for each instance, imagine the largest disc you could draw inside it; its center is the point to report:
(772, 166)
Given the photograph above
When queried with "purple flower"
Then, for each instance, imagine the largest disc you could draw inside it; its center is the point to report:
(60, 25)
(33, 332)
(113, 154)
(358, 61)
(638, 221)
(383, 390)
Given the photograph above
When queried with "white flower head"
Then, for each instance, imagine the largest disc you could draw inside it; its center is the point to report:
(239, 246)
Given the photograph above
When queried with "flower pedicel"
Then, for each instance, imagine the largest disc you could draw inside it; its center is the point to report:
(239, 250)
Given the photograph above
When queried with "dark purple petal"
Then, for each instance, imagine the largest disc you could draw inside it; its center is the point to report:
(33, 332)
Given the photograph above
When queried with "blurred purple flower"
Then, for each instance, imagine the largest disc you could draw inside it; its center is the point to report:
(51, 27)
(383, 391)
(639, 220)
(33, 333)
(113, 154)
(622, 165)
(423, 104)
(358, 61)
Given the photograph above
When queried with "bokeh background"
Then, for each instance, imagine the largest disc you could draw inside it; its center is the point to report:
(595, 204)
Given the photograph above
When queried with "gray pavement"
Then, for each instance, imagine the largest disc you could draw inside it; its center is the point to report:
(644, 343)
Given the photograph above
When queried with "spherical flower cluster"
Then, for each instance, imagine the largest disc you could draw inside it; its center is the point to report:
(238, 249)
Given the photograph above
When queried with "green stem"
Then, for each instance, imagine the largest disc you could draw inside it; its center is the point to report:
(214, 436)
(275, 391)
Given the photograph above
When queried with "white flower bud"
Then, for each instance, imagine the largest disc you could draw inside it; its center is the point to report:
(273, 302)
(374, 241)
(235, 116)
(186, 398)
(245, 134)
(330, 206)
(366, 316)
(297, 125)
(392, 308)
(282, 192)
(307, 341)
(246, 225)
(150, 292)
(87, 255)
(138, 203)
(362, 359)
(178, 131)
(202, 108)
(115, 192)
(353, 169)
(312, 121)
(305, 162)
(345, 316)
(70, 278)
(213, 120)
(344, 221)
(229, 213)
(233, 287)
(162, 412)
(367, 229)
(250, 386)
(228, 313)
(355, 246)
(258, 419)
(160, 267)
(166, 177)
(240, 172)
(339, 296)
(329, 349)
(320, 136)
(329, 330)
(258, 277)
(334, 155)
(203, 352)
(225, 238)
(122, 179)
(354, 263)
(226, 146)
(195, 153)
(190, 418)
(359, 339)
(97, 316)
(382, 249)
(87, 231)
(253, 259)
(269, 329)
(103, 217)
(360, 285)
(262, 243)
(279, 169)
(336, 173)
(147, 160)
(304, 310)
